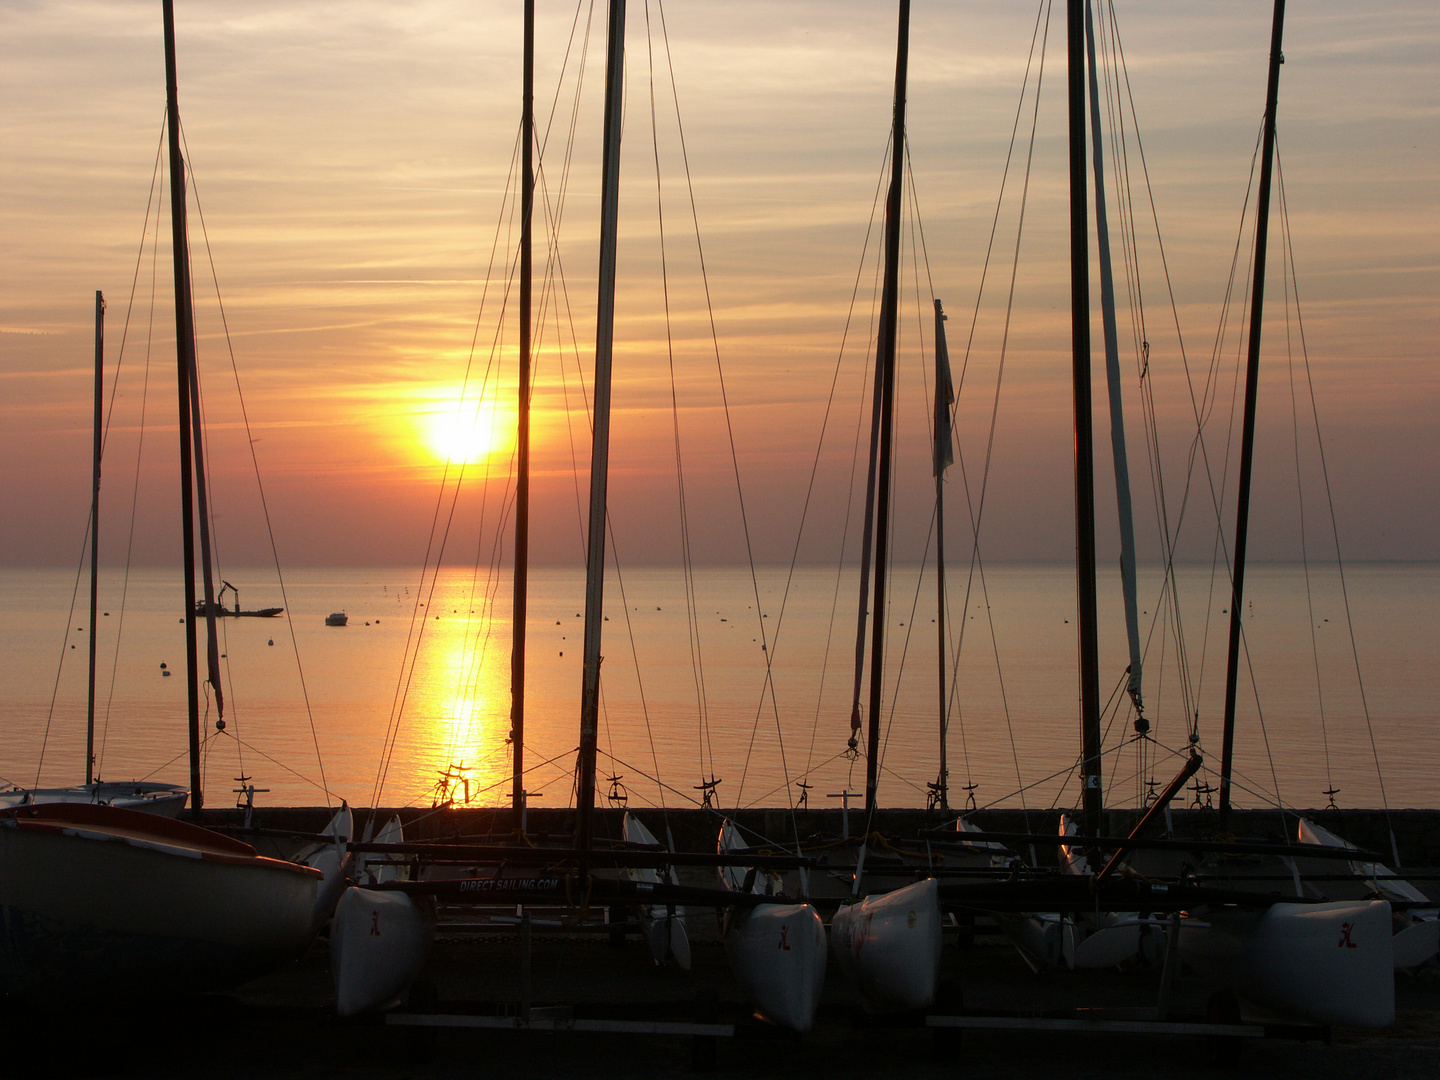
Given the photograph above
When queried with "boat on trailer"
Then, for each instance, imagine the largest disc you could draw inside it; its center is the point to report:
(148, 796)
(776, 951)
(663, 925)
(92, 897)
(380, 940)
(1416, 917)
(888, 946)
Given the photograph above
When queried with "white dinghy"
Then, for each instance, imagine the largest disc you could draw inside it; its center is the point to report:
(888, 946)
(96, 896)
(379, 940)
(333, 859)
(662, 924)
(1328, 963)
(1417, 928)
(776, 951)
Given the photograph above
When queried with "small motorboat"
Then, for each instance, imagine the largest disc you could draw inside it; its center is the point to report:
(336, 618)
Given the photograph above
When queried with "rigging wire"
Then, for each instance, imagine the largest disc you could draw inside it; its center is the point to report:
(255, 465)
(1289, 250)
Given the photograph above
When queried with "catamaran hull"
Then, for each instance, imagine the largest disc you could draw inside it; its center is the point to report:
(1317, 963)
(777, 954)
(1417, 928)
(663, 925)
(82, 909)
(333, 859)
(888, 946)
(379, 943)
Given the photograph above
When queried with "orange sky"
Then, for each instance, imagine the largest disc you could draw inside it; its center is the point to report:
(351, 161)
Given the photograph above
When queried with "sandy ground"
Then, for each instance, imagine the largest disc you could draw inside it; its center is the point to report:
(285, 1026)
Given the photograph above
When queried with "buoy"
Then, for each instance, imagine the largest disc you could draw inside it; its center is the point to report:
(220, 724)
(271, 641)
(163, 665)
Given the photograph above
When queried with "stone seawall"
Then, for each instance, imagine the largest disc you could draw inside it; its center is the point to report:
(1416, 832)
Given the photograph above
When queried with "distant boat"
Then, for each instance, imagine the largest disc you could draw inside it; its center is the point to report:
(336, 618)
(221, 611)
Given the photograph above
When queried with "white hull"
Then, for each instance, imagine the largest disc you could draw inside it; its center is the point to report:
(1417, 930)
(776, 951)
(333, 859)
(92, 896)
(888, 946)
(777, 954)
(379, 942)
(166, 800)
(663, 925)
(1316, 963)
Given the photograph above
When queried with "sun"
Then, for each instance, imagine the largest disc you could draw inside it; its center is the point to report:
(465, 430)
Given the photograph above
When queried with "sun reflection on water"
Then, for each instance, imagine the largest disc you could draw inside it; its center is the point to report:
(459, 707)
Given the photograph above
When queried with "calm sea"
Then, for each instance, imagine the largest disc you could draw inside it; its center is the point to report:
(750, 685)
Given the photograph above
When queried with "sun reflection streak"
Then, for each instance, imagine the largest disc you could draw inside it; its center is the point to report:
(460, 705)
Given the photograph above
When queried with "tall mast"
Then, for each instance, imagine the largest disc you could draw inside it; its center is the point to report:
(185, 360)
(207, 574)
(1084, 437)
(889, 304)
(522, 433)
(1247, 435)
(600, 452)
(944, 456)
(1112, 378)
(95, 535)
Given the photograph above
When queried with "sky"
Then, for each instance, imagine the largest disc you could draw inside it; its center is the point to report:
(352, 163)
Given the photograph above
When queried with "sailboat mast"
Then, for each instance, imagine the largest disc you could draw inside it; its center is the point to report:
(889, 305)
(944, 456)
(522, 433)
(185, 360)
(207, 574)
(600, 451)
(1091, 799)
(1247, 435)
(95, 535)
(1112, 377)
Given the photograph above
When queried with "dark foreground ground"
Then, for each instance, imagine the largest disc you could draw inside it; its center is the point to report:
(284, 1026)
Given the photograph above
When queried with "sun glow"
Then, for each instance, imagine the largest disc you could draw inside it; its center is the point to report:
(465, 430)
